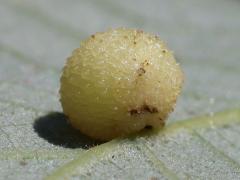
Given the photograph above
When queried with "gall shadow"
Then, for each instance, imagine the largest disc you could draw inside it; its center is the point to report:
(55, 128)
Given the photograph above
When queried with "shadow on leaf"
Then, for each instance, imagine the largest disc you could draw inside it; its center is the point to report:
(55, 128)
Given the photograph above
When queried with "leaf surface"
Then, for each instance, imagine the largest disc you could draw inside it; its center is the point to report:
(188, 149)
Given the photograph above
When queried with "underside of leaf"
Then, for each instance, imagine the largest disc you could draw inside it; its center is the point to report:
(188, 149)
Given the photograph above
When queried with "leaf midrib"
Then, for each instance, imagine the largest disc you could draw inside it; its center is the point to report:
(191, 125)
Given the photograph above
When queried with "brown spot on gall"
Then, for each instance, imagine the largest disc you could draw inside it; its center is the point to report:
(164, 51)
(148, 127)
(149, 108)
(133, 111)
(145, 108)
(145, 63)
(141, 71)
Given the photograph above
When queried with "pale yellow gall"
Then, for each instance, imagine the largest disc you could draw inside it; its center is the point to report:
(119, 82)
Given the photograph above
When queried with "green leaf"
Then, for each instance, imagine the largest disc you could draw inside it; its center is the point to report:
(37, 36)
(188, 149)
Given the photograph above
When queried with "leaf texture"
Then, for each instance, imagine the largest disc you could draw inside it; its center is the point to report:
(190, 149)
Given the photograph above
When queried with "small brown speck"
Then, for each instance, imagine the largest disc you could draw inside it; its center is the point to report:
(148, 127)
(93, 36)
(145, 63)
(133, 111)
(162, 121)
(164, 51)
(141, 71)
(134, 59)
(125, 37)
(113, 156)
(143, 109)
(150, 109)
(134, 42)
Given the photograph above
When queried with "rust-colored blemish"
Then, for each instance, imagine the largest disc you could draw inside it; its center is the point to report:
(145, 108)
(149, 108)
(133, 111)
(141, 71)
(93, 36)
(148, 127)
(145, 63)
(160, 119)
